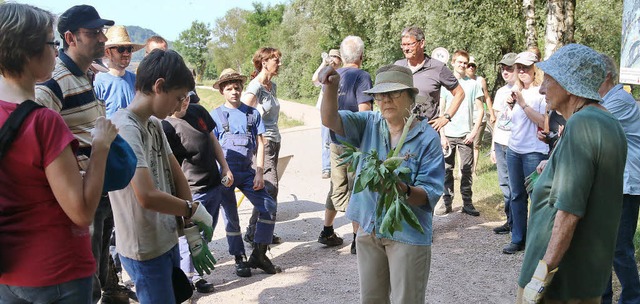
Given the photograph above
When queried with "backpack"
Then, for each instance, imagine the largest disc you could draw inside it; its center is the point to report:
(10, 129)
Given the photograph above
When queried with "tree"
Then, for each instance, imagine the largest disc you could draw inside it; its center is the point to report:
(192, 44)
(560, 25)
(530, 22)
(229, 48)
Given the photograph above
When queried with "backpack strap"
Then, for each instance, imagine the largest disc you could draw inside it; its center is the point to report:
(10, 129)
(223, 118)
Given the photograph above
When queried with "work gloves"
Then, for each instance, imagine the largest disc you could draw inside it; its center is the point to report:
(535, 289)
(204, 221)
(201, 257)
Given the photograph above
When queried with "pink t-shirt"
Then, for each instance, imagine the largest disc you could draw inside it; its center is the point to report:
(39, 244)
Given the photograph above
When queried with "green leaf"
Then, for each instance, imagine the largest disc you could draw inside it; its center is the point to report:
(410, 217)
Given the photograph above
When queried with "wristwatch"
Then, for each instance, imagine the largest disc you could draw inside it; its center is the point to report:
(447, 116)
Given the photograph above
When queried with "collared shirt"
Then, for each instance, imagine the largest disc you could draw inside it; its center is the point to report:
(367, 131)
(70, 92)
(623, 107)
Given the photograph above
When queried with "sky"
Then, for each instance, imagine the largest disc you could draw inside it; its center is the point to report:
(166, 17)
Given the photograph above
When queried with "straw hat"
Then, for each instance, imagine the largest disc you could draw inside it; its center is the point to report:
(392, 78)
(117, 36)
(229, 75)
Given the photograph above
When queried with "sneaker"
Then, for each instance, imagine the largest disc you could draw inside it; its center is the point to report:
(353, 247)
(202, 286)
(242, 269)
(470, 210)
(326, 174)
(512, 248)
(332, 240)
(502, 229)
(444, 209)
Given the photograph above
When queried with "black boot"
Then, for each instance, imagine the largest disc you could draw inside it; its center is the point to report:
(259, 259)
(242, 269)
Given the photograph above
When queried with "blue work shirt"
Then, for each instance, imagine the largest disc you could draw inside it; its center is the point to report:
(623, 107)
(367, 131)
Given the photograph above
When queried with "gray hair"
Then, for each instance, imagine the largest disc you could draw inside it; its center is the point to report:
(351, 49)
(413, 31)
(24, 31)
(610, 67)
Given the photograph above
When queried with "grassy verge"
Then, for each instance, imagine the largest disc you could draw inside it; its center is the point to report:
(210, 100)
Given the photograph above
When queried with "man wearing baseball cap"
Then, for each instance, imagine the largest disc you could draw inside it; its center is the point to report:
(70, 92)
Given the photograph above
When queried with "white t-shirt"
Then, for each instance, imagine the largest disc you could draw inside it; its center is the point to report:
(143, 234)
(502, 128)
(524, 131)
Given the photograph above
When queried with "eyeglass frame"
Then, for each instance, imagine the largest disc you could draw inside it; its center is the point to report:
(390, 95)
(92, 32)
(121, 49)
(55, 44)
(410, 45)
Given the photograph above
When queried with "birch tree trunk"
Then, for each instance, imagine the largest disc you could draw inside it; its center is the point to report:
(560, 25)
(530, 21)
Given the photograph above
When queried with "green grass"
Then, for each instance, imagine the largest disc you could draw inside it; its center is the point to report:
(210, 100)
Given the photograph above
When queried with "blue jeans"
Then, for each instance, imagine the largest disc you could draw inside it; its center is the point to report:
(152, 278)
(624, 260)
(72, 292)
(520, 166)
(326, 152)
(503, 179)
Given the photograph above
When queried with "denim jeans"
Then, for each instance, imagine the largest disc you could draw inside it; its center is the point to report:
(503, 179)
(152, 278)
(624, 260)
(520, 166)
(73, 292)
(466, 180)
(326, 152)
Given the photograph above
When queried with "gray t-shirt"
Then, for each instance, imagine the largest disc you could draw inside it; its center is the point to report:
(268, 106)
(143, 234)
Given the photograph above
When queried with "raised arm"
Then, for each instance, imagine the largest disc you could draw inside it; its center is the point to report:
(329, 109)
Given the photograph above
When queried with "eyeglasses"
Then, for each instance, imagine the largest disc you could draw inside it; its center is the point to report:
(412, 44)
(92, 32)
(390, 95)
(54, 44)
(508, 69)
(122, 49)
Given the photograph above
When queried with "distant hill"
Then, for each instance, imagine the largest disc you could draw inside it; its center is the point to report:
(140, 35)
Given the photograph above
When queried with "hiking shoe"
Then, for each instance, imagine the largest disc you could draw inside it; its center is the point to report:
(512, 248)
(470, 210)
(242, 269)
(502, 229)
(326, 174)
(444, 209)
(202, 286)
(331, 240)
(353, 247)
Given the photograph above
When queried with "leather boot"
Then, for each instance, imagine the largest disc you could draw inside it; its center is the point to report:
(259, 259)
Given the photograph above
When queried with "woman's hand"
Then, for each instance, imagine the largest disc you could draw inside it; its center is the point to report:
(103, 134)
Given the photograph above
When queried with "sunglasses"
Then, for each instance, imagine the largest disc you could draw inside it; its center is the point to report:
(508, 69)
(390, 95)
(122, 49)
(471, 66)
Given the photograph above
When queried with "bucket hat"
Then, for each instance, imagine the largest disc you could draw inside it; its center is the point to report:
(118, 36)
(391, 78)
(578, 69)
(229, 75)
(526, 58)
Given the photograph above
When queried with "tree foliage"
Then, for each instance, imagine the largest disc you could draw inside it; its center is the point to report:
(192, 44)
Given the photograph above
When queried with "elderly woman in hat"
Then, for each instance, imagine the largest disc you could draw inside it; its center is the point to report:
(577, 200)
(46, 206)
(395, 265)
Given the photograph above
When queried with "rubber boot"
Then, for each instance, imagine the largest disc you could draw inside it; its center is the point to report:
(259, 259)
(242, 269)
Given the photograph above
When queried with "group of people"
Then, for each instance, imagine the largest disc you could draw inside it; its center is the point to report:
(159, 167)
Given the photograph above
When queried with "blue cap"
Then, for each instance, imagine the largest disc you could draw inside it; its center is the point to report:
(121, 165)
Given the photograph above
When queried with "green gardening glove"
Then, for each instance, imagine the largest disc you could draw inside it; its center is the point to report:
(201, 257)
(531, 180)
(204, 221)
(535, 289)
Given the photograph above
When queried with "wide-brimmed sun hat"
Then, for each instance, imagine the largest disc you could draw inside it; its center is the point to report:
(578, 69)
(117, 35)
(526, 58)
(391, 78)
(508, 59)
(229, 75)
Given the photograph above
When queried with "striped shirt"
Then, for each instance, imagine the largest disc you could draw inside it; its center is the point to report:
(70, 92)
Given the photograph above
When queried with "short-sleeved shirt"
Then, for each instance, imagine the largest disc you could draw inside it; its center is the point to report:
(584, 177)
(622, 105)
(269, 108)
(502, 129)
(39, 244)
(143, 234)
(192, 145)
(368, 130)
(462, 123)
(524, 132)
(432, 75)
(353, 82)
(116, 92)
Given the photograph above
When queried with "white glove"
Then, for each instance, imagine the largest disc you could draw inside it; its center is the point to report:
(535, 289)
(201, 257)
(203, 219)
